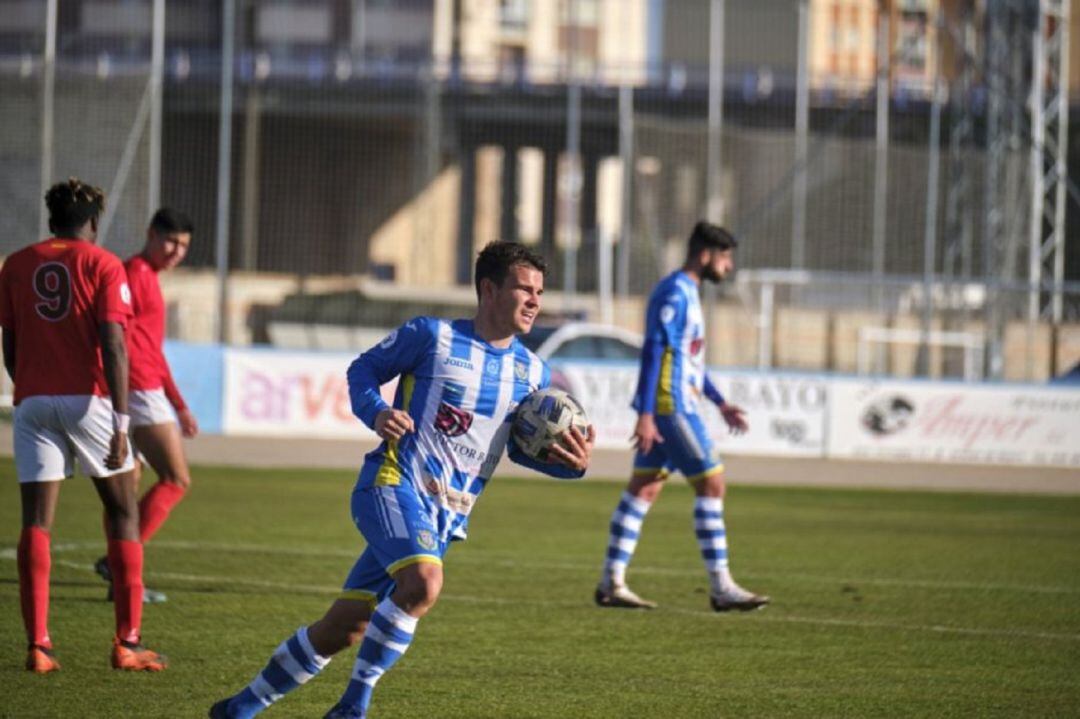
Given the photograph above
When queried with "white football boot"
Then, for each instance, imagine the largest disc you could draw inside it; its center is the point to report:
(620, 595)
(736, 598)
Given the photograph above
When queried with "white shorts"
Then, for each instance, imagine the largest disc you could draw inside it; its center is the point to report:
(51, 431)
(150, 406)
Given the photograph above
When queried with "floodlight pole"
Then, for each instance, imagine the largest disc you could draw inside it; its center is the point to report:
(714, 209)
(572, 222)
(157, 79)
(802, 128)
(48, 91)
(228, 34)
(881, 144)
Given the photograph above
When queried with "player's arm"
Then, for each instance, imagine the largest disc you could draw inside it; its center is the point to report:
(645, 432)
(7, 322)
(571, 458)
(399, 353)
(189, 427)
(663, 326)
(9, 351)
(115, 364)
(734, 415)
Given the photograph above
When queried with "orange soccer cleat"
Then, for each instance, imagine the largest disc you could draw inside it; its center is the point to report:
(133, 657)
(40, 660)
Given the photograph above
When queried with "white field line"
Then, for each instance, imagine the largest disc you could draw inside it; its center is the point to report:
(766, 616)
(506, 562)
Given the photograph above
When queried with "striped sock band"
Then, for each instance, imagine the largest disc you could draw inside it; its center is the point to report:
(387, 637)
(293, 663)
(623, 536)
(712, 538)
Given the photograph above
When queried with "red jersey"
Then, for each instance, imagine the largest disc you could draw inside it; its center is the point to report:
(149, 370)
(53, 296)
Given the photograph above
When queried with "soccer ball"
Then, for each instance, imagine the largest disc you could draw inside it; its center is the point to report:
(542, 417)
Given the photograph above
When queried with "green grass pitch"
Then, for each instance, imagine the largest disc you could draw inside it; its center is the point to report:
(885, 604)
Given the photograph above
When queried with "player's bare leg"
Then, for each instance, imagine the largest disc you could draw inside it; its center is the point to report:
(341, 627)
(35, 563)
(389, 634)
(724, 593)
(163, 449)
(625, 529)
(125, 556)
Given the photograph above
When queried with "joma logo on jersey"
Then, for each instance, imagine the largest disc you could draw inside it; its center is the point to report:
(456, 362)
(452, 421)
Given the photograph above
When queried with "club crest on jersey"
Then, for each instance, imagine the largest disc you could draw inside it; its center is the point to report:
(521, 370)
(452, 421)
(389, 341)
(426, 539)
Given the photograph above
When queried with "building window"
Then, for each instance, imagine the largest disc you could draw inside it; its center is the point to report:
(514, 15)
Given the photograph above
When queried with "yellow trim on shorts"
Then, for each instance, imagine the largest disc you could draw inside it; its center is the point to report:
(389, 474)
(360, 595)
(710, 472)
(665, 400)
(646, 471)
(414, 559)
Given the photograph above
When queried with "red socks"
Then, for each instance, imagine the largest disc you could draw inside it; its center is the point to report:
(126, 565)
(34, 567)
(155, 505)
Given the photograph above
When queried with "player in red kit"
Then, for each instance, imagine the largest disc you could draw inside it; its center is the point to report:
(64, 303)
(154, 395)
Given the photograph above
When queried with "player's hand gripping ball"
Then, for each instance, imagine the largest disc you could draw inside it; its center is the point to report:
(542, 417)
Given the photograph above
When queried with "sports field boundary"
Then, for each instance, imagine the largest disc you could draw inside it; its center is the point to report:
(614, 465)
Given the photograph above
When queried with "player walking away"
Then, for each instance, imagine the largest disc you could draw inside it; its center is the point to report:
(670, 433)
(459, 384)
(64, 303)
(154, 395)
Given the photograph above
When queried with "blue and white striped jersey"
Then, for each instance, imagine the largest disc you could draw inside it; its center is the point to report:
(461, 393)
(672, 375)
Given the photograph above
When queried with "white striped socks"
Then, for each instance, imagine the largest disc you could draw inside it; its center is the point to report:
(712, 540)
(293, 663)
(625, 529)
(387, 637)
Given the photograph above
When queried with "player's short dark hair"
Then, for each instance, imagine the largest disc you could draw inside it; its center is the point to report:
(167, 221)
(496, 259)
(707, 236)
(72, 204)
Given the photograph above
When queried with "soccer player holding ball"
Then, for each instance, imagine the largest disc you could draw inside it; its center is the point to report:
(64, 303)
(459, 383)
(670, 434)
(158, 413)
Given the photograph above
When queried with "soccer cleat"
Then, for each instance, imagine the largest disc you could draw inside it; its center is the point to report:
(133, 657)
(40, 660)
(149, 596)
(220, 710)
(620, 595)
(738, 599)
(101, 566)
(342, 712)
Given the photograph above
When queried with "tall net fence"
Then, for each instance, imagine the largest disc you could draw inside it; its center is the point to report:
(374, 149)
